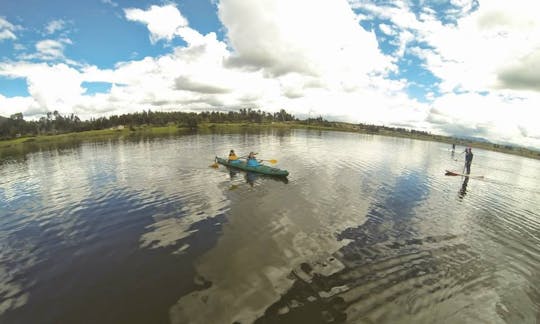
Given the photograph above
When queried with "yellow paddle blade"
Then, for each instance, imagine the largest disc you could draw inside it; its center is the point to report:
(272, 161)
(215, 165)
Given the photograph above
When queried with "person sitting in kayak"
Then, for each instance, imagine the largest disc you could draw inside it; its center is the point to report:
(252, 160)
(232, 156)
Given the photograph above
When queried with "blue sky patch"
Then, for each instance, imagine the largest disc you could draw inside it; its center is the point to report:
(96, 87)
(13, 87)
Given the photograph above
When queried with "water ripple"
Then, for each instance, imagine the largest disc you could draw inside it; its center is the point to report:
(365, 229)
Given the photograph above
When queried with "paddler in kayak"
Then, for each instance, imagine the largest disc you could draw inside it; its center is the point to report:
(252, 160)
(232, 156)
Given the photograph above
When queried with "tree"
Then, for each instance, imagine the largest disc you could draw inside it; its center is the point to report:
(17, 116)
(282, 115)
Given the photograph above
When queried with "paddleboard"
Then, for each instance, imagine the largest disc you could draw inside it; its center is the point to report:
(455, 173)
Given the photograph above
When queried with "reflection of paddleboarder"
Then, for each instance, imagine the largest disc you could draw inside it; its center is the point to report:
(463, 190)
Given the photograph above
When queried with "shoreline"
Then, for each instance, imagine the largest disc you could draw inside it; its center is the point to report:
(106, 134)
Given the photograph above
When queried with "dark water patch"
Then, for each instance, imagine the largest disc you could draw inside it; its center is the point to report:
(95, 271)
(417, 279)
(390, 215)
(384, 263)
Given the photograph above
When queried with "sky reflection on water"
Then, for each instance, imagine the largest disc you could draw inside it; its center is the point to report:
(366, 228)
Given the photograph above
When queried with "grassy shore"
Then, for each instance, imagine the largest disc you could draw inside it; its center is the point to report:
(45, 139)
(96, 135)
(93, 135)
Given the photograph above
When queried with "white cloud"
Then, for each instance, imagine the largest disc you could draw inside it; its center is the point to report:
(13, 105)
(326, 40)
(523, 73)
(343, 75)
(495, 50)
(110, 2)
(481, 45)
(492, 116)
(323, 63)
(55, 25)
(19, 47)
(48, 50)
(491, 49)
(7, 30)
(387, 29)
(163, 22)
(6, 34)
(52, 87)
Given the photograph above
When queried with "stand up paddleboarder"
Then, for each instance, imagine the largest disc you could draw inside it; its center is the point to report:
(468, 159)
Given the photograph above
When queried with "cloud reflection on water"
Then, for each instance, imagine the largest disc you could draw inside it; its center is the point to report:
(369, 224)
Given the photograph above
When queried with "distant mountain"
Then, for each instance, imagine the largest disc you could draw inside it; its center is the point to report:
(515, 146)
(473, 139)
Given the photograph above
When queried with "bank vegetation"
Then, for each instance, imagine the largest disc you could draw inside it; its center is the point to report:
(54, 127)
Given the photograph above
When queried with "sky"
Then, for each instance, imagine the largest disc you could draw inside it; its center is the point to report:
(468, 68)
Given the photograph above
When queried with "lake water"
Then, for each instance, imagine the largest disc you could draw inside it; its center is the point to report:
(365, 229)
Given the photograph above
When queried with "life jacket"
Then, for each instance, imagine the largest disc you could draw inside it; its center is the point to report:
(252, 162)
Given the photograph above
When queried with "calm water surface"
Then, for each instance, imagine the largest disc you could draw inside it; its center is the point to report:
(365, 229)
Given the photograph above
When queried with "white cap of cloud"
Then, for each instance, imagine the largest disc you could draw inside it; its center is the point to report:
(162, 22)
(13, 105)
(321, 38)
(489, 116)
(52, 87)
(7, 30)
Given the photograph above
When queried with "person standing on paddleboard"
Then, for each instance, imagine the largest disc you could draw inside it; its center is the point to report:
(468, 159)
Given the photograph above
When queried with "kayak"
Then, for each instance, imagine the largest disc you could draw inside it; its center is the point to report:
(263, 169)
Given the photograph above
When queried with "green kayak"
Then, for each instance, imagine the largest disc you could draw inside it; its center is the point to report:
(263, 169)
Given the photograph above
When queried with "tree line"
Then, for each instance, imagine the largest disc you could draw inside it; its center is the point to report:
(54, 123)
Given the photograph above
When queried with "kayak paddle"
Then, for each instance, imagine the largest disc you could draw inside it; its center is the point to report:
(271, 161)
